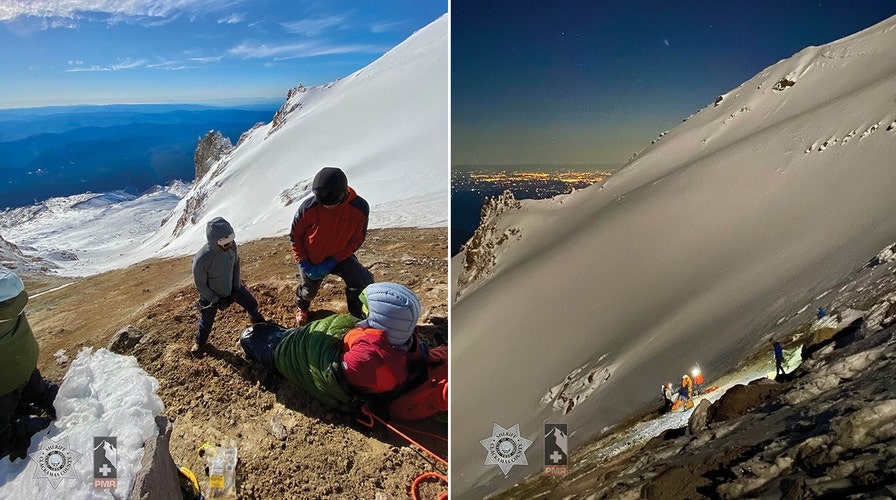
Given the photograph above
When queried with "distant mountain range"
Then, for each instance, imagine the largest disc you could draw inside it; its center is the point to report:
(65, 150)
(385, 125)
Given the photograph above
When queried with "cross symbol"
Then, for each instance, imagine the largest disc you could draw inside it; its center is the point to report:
(555, 457)
(105, 469)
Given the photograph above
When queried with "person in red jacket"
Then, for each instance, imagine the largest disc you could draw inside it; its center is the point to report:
(327, 230)
(376, 353)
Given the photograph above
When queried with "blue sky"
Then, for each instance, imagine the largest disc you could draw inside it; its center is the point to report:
(100, 51)
(595, 81)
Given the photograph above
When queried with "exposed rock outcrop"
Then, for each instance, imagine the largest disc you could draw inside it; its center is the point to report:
(291, 104)
(211, 148)
(11, 257)
(480, 251)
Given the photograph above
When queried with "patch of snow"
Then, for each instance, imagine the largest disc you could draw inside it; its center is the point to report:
(103, 394)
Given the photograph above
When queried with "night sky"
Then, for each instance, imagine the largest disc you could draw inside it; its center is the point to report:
(596, 81)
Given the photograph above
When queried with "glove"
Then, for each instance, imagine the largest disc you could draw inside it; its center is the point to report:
(316, 273)
(328, 264)
(305, 266)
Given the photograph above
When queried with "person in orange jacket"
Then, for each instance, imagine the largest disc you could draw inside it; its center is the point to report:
(687, 387)
(376, 353)
(327, 229)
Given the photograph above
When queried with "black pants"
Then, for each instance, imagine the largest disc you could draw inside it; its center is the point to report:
(356, 278)
(17, 424)
(208, 311)
(261, 340)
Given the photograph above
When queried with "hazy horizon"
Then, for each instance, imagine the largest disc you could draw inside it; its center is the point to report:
(550, 166)
(231, 102)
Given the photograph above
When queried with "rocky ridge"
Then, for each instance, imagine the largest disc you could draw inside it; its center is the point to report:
(825, 430)
(482, 248)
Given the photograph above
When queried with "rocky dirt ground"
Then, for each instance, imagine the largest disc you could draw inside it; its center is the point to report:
(290, 446)
(827, 430)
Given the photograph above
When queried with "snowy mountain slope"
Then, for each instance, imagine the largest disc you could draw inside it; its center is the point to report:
(87, 233)
(386, 126)
(738, 217)
(13, 258)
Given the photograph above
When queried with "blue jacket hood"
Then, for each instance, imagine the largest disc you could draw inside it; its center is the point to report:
(392, 308)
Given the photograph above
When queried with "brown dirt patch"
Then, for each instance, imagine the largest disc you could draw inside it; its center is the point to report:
(290, 446)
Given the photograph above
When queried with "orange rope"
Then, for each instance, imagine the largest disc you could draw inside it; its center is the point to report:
(372, 416)
(423, 433)
(428, 475)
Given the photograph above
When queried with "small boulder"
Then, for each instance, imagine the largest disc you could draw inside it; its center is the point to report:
(276, 428)
(697, 420)
(125, 339)
(158, 476)
(741, 399)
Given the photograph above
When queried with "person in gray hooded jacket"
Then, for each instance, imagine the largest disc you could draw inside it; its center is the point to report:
(216, 273)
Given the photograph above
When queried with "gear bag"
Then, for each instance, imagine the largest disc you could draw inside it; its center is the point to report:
(427, 392)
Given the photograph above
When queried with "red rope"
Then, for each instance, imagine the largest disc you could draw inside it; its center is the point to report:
(428, 475)
(424, 433)
(373, 416)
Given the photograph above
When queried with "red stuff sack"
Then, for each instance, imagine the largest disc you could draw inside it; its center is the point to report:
(430, 394)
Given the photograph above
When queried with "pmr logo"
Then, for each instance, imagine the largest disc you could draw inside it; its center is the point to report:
(105, 462)
(55, 461)
(506, 448)
(556, 450)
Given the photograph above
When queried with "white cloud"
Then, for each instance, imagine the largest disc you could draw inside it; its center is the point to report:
(208, 59)
(385, 27)
(233, 18)
(315, 26)
(74, 9)
(123, 65)
(249, 50)
(57, 23)
(86, 68)
(128, 64)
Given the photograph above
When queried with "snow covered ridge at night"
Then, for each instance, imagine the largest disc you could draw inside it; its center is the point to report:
(745, 213)
(386, 126)
(823, 430)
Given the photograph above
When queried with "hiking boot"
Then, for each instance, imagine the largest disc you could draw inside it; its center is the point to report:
(22, 430)
(301, 316)
(36, 424)
(46, 402)
(197, 350)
